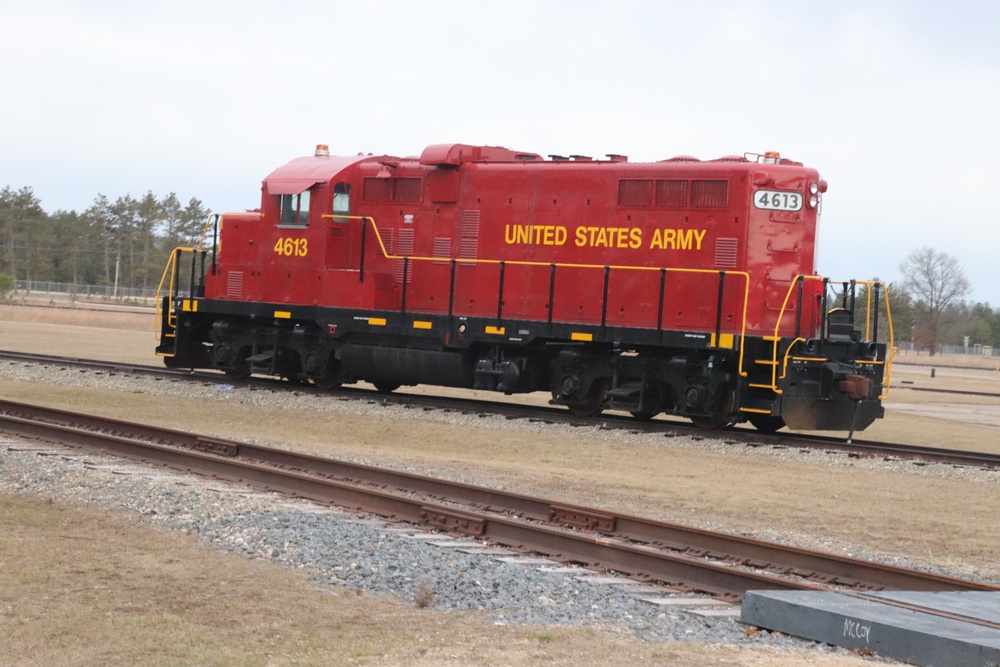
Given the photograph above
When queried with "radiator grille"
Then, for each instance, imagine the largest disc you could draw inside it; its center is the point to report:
(393, 189)
(709, 193)
(377, 189)
(635, 192)
(407, 189)
(673, 192)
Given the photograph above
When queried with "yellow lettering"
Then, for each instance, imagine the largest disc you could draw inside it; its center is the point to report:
(581, 237)
(292, 247)
(677, 239)
(535, 234)
(551, 235)
(514, 234)
(602, 237)
(635, 238)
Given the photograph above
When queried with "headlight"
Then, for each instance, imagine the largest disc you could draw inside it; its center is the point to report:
(813, 201)
(814, 189)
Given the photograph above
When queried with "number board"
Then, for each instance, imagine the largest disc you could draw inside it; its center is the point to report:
(777, 200)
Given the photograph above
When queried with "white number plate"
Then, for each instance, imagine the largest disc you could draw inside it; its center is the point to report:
(775, 200)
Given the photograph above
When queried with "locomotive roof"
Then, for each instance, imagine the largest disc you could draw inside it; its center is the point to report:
(304, 172)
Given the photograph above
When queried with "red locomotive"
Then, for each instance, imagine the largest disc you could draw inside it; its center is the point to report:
(684, 287)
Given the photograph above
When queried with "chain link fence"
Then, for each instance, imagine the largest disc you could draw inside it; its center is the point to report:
(43, 289)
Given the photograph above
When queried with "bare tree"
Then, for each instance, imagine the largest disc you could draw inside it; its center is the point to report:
(934, 280)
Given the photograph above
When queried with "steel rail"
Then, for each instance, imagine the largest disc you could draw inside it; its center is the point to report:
(641, 536)
(864, 448)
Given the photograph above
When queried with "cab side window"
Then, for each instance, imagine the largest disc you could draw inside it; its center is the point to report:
(295, 209)
(341, 200)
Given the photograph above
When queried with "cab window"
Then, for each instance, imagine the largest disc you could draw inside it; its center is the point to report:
(341, 200)
(295, 209)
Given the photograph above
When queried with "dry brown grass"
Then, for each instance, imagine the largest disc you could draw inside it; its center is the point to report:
(948, 360)
(40, 318)
(79, 587)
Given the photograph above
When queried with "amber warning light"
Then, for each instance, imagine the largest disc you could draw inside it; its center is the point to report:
(322, 150)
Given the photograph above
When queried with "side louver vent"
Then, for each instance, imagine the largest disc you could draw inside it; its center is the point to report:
(726, 253)
(234, 285)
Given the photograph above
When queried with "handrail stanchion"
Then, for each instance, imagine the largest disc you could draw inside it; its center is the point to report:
(552, 292)
(798, 306)
(718, 309)
(503, 270)
(406, 275)
(451, 291)
(604, 299)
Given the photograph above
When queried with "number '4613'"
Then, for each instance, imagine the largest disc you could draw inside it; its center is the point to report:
(289, 247)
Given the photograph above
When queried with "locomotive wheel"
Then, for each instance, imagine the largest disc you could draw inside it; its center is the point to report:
(236, 359)
(651, 405)
(386, 387)
(722, 418)
(332, 379)
(594, 405)
(327, 383)
(766, 423)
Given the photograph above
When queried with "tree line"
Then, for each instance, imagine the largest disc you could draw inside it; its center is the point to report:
(929, 309)
(125, 241)
(927, 306)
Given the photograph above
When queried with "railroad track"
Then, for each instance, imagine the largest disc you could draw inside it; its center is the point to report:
(687, 558)
(859, 448)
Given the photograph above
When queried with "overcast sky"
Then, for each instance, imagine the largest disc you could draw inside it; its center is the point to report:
(897, 104)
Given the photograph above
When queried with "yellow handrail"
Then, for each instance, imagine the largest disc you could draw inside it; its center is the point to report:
(168, 270)
(893, 350)
(743, 274)
(213, 218)
(777, 339)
